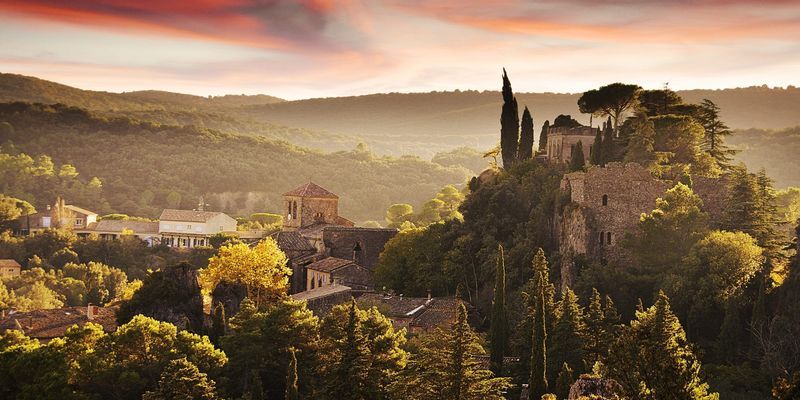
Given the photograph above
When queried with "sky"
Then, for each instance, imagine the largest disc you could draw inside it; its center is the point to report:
(323, 48)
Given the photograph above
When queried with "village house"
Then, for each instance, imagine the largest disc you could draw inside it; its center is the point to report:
(9, 268)
(191, 228)
(60, 215)
(415, 314)
(114, 229)
(322, 299)
(46, 325)
(330, 270)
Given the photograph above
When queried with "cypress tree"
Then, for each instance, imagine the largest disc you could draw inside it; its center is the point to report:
(568, 332)
(543, 136)
(499, 327)
(596, 342)
(509, 124)
(526, 136)
(291, 378)
(539, 280)
(728, 341)
(596, 156)
(611, 319)
(608, 143)
(566, 378)
(577, 160)
(218, 324)
(540, 311)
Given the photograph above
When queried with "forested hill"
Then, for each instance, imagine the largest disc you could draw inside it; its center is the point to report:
(145, 167)
(15, 87)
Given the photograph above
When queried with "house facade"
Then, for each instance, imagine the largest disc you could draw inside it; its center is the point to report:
(190, 228)
(561, 141)
(60, 215)
(9, 268)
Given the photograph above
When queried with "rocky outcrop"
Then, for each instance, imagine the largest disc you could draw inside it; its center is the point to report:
(230, 295)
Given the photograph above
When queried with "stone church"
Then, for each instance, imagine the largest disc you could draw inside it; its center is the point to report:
(323, 247)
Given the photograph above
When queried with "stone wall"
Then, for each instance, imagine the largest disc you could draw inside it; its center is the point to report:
(341, 242)
(310, 210)
(560, 141)
(607, 203)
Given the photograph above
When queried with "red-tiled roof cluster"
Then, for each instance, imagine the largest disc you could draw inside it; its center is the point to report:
(49, 324)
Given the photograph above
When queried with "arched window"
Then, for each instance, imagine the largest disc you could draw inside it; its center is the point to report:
(318, 217)
(605, 199)
(357, 254)
(294, 209)
(608, 237)
(602, 237)
(320, 282)
(313, 281)
(288, 208)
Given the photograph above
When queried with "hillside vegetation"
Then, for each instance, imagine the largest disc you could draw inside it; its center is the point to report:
(144, 167)
(774, 150)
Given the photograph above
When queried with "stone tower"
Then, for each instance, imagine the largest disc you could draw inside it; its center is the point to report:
(309, 204)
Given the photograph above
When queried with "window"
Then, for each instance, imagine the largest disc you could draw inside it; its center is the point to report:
(608, 236)
(78, 221)
(189, 227)
(605, 199)
(294, 209)
(313, 281)
(602, 237)
(45, 222)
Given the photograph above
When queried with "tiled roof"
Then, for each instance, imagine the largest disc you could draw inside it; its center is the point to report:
(79, 210)
(321, 292)
(393, 305)
(311, 189)
(8, 263)
(329, 264)
(440, 312)
(48, 324)
(110, 225)
(187, 215)
(292, 240)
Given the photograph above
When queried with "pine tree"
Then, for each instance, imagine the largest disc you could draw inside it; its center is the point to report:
(652, 358)
(181, 379)
(565, 379)
(715, 133)
(292, 391)
(218, 324)
(577, 160)
(499, 327)
(539, 282)
(568, 332)
(596, 343)
(611, 320)
(750, 206)
(540, 310)
(526, 136)
(509, 124)
(596, 154)
(543, 136)
(641, 140)
(608, 143)
(348, 378)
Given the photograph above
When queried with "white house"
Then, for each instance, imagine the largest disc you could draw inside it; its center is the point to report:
(189, 228)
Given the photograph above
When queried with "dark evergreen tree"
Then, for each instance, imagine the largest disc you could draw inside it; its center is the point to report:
(566, 378)
(539, 281)
(609, 152)
(611, 319)
(596, 154)
(577, 160)
(539, 310)
(181, 379)
(568, 333)
(499, 327)
(509, 124)
(750, 206)
(347, 379)
(525, 150)
(652, 359)
(715, 133)
(543, 136)
(292, 390)
(218, 324)
(728, 343)
(596, 342)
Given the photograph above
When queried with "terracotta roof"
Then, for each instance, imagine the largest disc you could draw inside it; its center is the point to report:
(187, 215)
(8, 263)
(49, 324)
(440, 312)
(79, 210)
(393, 305)
(292, 240)
(321, 292)
(329, 264)
(311, 189)
(110, 225)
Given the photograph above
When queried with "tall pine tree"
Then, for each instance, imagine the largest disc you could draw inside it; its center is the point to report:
(568, 333)
(715, 133)
(347, 378)
(499, 327)
(595, 344)
(509, 124)
(596, 154)
(538, 311)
